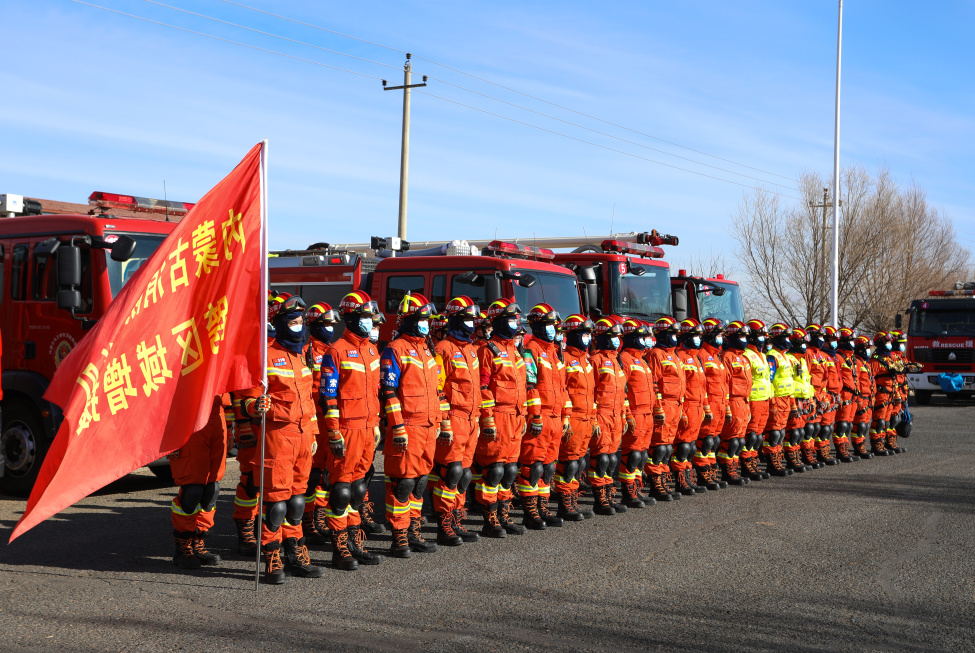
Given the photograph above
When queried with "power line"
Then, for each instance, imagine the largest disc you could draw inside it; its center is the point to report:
(277, 36)
(219, 38)
(604, 147)
(508, 88)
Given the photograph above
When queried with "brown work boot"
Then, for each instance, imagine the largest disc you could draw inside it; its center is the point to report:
(184, 556)
(532, 518)
(891, 441)
(246, 541)
(367, 516)
(200, 551)
(273, 565)
(460, 514)
(342, 557)
(357, 546)
(296, 559)
(543, 510)
(417, 543)
(492, 524)
(446, 535)
(400, 546)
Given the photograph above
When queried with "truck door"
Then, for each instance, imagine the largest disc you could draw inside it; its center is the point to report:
(16, 329)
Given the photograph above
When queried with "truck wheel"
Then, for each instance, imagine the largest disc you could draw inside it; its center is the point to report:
(923, 397)
(24, 445)
(163, 472)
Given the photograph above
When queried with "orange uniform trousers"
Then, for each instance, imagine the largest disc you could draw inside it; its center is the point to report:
(460, 450)
(740, 416)
(638, 439)
(202, 460)
(573, 447)
(287, 463)
(758, 416)
(666, 431)
(689, 429)
(778, 414)
(607, 442)
(504, 448)
(413, 462)
(542, 448)
(246, 500)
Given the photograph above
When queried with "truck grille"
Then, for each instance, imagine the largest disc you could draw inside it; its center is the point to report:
(944, 356)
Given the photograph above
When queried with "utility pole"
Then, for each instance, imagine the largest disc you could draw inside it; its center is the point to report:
(404, 161)
(834, 291)
(822, 256)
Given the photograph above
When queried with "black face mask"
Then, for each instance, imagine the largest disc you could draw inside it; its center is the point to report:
(846, 346)
(321, 332)
(667, 341)
(633, 341)
(502, 328)
(293, 341)
(733, 342)
(457, 329)
(540, 331)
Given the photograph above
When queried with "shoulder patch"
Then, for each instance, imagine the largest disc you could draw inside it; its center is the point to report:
(458, 354)
(279, 362)
(353, 353)
(412, 352)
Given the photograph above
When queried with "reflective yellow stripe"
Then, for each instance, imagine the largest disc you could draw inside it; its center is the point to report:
(487, 403)
(409, 360)
(179, 511)
(545, 363)
(374, 365)
(432, 363)
(332, 414)
(349, 365)
(534, 402)
(275, 371)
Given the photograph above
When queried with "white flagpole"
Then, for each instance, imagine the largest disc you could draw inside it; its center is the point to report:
(834, 290)
(262, 299)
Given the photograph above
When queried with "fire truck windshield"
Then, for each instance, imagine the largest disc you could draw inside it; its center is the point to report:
(559, 290)
(726, 307)
(120, 272)
(647, 296)
(933, 323)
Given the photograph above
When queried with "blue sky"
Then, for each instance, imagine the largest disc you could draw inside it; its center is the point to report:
(100, 101)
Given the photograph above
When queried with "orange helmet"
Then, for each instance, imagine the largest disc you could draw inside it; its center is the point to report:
(415, 304)
(577, 322)
(666, 323)
(780, 329)
(543, 314)
(691, 326)
(609, 326)
(360, 302)
(321, 312)
(462, 305)
(757, 327)
(503, 308)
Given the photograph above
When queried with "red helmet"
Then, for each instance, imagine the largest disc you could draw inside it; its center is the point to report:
(691, 326)
(415, 304)
(635, 326)
(462, 305)
(713, 325)
(274, 301)
(609, 325)
(736, 328)
(321, 312)
(438, 323)
(881, 337)
(813, 328)
(846, 334)
(543, 314)
(780, 329)
(480, 319)
(358, 301)
(503, 308)
(666, 323)
(293, 304)
(862, 341)
(799, 335)
(898, 336)
(757, 327)
(830, 332)
(577, 322)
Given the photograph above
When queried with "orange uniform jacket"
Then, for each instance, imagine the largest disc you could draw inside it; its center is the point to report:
(665, 365)
(410, 371)
(504, 379)
(580, 383)
(884, 379)
(816, 361)
(867, 387)
(289, 387)
(550, 381)
(696, 387)
(350, 383)
(641, 390)
(462, 376)
(718, 380)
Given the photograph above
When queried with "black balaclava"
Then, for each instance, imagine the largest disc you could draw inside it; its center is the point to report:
(322, 332)
(293, 341)
(633, 340)
(457, 329)
(540, 331)
(667, 339)
(501, 327)
(574, 339)
(353, 322)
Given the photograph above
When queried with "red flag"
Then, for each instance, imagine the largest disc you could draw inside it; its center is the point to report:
(189, 325)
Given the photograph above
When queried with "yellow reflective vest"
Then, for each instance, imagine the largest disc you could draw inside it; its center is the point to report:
(803, 382)
(761, 384)
(783, 383)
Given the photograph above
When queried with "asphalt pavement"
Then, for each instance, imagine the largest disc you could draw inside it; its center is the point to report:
(870, 556)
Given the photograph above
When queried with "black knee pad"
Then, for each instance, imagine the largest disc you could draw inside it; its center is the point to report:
(683, 451)
(453, 473)
(601, 463)
(210, 493)
(358, 489)
(536, 471)
(841, 427)
(509, 475)
(274, 514)
(895, 419)
(549, 473)
(190, 496)
(735, 445)
(809, 432)
(403, 488)
(465, 480)
(863, 429)
(634, 460)
(705, 443)
(659, 454)
(493, 474)
(340, 497)
(296, 509)
(569, 469)
(753, 440)
(421, 486)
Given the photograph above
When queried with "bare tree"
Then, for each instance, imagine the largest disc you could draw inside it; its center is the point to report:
(893, 247)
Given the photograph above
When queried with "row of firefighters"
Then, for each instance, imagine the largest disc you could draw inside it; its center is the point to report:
(466, 402)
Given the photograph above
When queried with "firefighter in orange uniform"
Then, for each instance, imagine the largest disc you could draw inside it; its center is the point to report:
(198, 467)
(834, 385)
(758, 399)
(289, 443)
(349, 395)
(321, 320)
(867, 389)
(816, 360)
(718, 380)
(737, 417)
(610, 397)
(782, 403)
(881, 364)
(246, 499)
(641, 395)
(417, 416)
(548, 418)
(899, 418)
(580, 390)
(697, 409)
(504, 399)
(848, 396)
(795, 429)
(454, 453)
(668, 374)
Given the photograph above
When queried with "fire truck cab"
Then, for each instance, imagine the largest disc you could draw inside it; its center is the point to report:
(58, 274)
(702, 298)
(941, 339)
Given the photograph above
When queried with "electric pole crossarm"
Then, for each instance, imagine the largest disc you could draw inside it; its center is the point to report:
(396, 88)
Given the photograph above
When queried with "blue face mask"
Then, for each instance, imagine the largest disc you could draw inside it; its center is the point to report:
(550, 332)
(423, 327)
(365, 324)
(585, 339)
(614, 343)
(718, 341)
(696, 341)
(888, 346)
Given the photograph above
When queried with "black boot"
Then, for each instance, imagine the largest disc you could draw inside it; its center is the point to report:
(582, 510)
(184, 556)
(566, 510)
(504, 516)
(630, 498)
(603, 505)
(200, 551)
(861, 449)
(682, 481)
(704, 476)
(342, 557)
(273, 565)
(532, 518)
(611, 497)
(446, 535)
(492, 524)
(310, 530)
(370, 524)
(417, 543)
(357, 546)
(460, 514)
(296, 560)
(543, 510)
(731, 473)
(658, 488)
(400, 546)
(246, 540)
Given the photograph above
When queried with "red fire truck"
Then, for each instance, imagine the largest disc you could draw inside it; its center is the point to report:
(58, 274)
(941, 339)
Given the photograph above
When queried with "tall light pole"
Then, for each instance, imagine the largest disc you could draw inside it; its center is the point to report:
(835, 290)
(404, 160)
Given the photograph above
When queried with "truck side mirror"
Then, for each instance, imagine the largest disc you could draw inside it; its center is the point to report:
(69, 266)
(471, 279)
(122, 250)
(592, 291)
(680, 304)
(637, 270)
(898, 320)
(526, 281)
(69, 299)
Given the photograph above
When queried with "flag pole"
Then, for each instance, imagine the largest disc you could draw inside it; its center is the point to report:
(262, 299)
